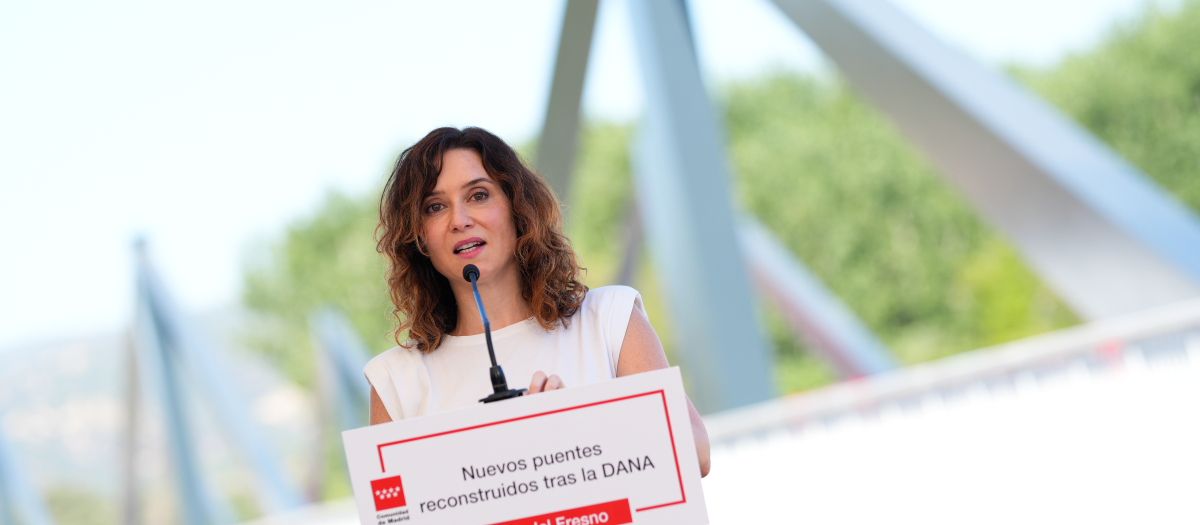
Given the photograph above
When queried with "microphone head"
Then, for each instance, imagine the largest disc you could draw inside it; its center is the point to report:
(470, 269)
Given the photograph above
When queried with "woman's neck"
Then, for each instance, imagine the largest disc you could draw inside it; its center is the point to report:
(501, 299)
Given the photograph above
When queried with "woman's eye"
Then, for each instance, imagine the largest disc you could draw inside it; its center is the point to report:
(479, 196)
(434, 208)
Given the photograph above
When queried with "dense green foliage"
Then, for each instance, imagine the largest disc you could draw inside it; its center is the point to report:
(326, 259)
(76, 505)
(1139, 91)
(861, 207)
(870, 217)
(838, 185)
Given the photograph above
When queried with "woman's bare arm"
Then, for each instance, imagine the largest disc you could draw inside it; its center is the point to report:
(378, 413)
(643, 352)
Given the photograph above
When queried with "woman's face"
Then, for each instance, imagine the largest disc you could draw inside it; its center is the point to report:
(468, 220)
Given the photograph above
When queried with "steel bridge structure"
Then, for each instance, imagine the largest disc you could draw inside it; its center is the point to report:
(1117, 248)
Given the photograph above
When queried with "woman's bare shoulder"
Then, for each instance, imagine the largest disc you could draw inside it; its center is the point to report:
(607, 295)
(393, 359)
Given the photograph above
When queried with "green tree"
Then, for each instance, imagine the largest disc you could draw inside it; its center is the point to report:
(326, 259)
(838, 185)
(1139, 91)
(874, 220)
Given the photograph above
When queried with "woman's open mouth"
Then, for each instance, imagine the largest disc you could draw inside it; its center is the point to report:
(469, 248)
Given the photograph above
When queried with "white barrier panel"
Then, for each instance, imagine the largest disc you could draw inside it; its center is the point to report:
(1114, 446)
(595, 454)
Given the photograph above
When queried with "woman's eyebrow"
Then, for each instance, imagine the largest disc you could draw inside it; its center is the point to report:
(477, 181)
(471, 183)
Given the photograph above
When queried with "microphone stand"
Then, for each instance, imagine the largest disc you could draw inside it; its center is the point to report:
(499, 383)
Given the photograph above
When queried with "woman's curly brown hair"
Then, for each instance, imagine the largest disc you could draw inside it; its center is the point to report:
(424, 304)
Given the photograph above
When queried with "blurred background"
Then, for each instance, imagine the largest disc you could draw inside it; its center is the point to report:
(923, 359)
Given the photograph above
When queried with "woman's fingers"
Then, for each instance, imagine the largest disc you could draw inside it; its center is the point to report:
(538, 383)
(541, 383)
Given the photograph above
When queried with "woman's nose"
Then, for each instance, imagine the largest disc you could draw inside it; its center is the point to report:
(461, 218)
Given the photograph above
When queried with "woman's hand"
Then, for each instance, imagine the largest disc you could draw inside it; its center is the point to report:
(541, 383)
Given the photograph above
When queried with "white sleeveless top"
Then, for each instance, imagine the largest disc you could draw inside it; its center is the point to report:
(455, 375)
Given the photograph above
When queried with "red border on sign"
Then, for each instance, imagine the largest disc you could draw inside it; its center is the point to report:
(670, 433)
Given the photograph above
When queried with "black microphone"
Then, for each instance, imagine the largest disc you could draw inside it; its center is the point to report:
(499, 384)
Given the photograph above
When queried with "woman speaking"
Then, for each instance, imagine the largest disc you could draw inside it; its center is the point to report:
(461, 197)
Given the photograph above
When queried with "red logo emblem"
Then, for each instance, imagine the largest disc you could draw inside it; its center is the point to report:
(389, 493)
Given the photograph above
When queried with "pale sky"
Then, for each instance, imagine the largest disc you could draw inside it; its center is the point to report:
(209, 126)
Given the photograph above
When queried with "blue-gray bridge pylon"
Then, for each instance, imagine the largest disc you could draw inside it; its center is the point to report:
(158, 369)
(816, 316)
(560, 129)
(167, 349)
(1100, 233)
(825, 323)
(683, 194)
(19, 501)
(341, 357)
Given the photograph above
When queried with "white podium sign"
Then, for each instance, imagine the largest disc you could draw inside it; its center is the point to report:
(608, 453)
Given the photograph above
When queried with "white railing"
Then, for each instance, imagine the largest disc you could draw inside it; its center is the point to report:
(1159, 332)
